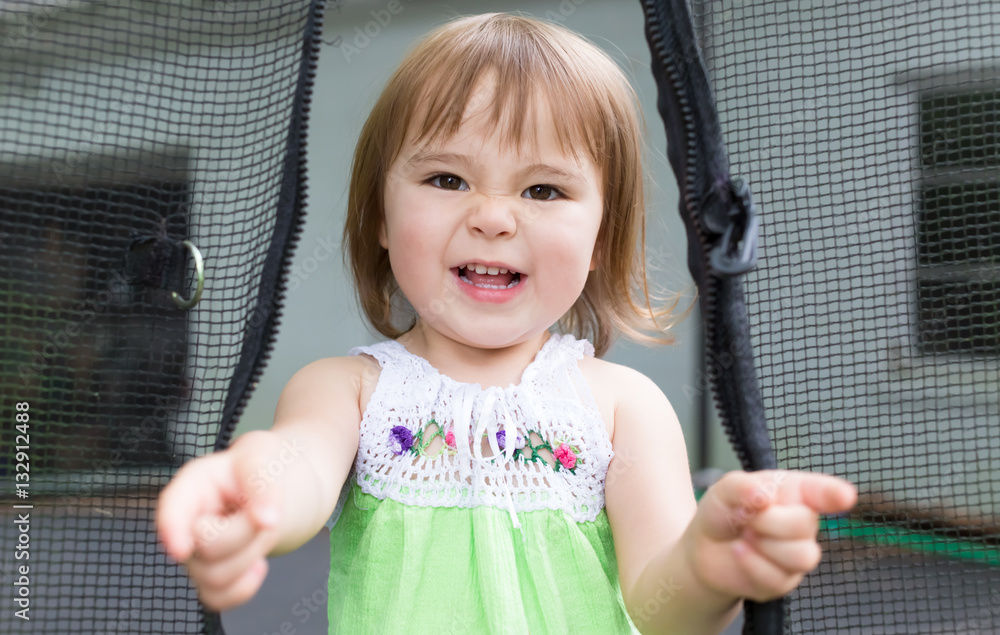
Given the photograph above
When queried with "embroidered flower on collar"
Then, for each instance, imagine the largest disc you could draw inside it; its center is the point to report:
(566, 456)
(400, 439)
(449, 440)
(502, 440)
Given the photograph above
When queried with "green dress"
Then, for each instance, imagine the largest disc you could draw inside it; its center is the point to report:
(436, 534)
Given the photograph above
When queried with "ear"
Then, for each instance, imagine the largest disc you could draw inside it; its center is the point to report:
(382, 240)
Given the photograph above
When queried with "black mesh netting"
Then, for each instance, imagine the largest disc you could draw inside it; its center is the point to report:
(870, 134)
(126, 129)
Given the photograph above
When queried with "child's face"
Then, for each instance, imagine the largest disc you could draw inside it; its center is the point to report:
(490, 208)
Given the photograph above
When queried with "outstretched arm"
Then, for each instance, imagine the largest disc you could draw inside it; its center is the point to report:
(318, 413)
(685, 568)
(269, 493)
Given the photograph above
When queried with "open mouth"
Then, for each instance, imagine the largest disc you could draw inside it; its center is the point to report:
(506, 280)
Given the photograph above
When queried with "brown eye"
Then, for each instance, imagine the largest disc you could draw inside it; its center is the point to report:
(544, 192)
(447, 181)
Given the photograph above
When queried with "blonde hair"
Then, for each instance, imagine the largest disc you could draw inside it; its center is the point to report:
(602, 115)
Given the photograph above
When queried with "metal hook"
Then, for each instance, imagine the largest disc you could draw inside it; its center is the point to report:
(199, 269)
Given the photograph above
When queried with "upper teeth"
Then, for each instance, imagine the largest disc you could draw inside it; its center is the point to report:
(478, 268)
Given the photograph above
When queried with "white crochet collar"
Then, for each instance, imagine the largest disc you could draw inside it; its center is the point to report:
(529, 371)
(552, 406)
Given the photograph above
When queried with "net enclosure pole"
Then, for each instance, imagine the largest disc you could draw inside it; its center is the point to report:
(721, 226)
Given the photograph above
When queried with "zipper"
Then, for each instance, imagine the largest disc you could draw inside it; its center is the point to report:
(695, 160)
(718, 214)
(307, 75)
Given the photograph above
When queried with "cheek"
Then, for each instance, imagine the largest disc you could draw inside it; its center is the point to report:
(569, 264)
(415, 250)
(411, 232)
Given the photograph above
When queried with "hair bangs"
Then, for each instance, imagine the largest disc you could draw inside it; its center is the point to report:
(532, 89)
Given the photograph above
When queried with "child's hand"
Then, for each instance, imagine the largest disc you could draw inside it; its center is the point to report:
(209, 519)
(754, 534)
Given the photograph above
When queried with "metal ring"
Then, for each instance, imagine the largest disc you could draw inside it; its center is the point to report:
(199, 269)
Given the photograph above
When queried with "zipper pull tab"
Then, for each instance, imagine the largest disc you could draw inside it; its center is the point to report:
(729, 257)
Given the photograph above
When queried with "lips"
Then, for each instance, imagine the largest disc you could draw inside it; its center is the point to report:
(489, 289)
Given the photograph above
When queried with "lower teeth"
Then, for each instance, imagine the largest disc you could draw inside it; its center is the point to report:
(513, 283)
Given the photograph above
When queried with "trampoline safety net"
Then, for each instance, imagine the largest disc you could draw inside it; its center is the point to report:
(870, 135)
(136, 138)
(140, 138)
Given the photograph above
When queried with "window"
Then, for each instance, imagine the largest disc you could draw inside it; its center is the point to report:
(958, 223)
(101, 361)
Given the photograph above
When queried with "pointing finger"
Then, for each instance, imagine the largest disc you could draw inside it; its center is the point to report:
(820, 492)
(198, 488)
(738, 498)
(219, 536)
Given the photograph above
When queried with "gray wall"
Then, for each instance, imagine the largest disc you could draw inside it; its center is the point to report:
(827, 117)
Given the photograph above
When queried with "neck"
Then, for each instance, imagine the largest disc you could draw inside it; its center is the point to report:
(468, 363)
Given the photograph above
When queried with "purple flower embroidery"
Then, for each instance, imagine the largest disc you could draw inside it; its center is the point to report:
(400, 439)
(502, 441)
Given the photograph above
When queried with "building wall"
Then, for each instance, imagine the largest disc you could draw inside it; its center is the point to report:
(820, 103)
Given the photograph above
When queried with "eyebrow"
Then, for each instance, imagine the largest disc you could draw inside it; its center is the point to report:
(536, 168)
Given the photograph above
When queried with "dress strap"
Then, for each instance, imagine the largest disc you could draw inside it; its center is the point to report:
(384, 351)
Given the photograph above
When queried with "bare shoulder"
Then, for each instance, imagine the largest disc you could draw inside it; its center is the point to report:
(322, 388)
(370, 371)
(604, 379)
(641, 409)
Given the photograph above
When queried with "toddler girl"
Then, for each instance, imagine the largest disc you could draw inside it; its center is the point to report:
(481, 473)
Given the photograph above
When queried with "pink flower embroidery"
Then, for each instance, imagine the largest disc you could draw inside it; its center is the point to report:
(449, 439)
(565, 456)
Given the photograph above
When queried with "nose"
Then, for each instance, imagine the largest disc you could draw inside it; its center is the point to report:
(493, 216)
